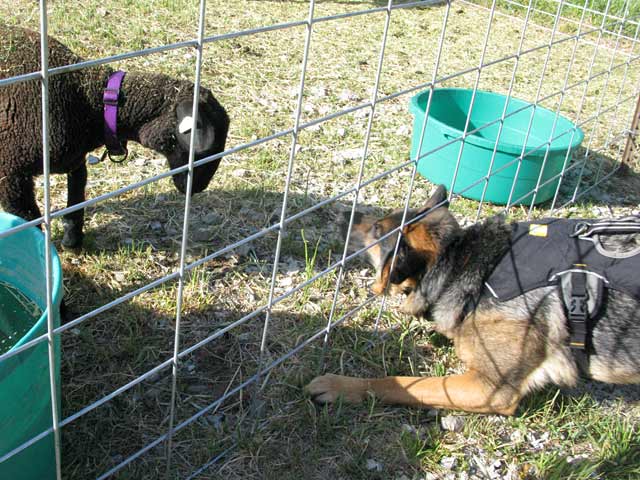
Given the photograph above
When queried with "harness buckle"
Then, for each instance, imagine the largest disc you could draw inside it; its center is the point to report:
(579, 307)
(578, 310)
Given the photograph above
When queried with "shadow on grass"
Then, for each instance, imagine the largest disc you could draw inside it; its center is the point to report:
(279, 429)
(139, 243)
(620, 188)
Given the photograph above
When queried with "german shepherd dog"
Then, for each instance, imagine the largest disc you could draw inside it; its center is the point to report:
(509, 347)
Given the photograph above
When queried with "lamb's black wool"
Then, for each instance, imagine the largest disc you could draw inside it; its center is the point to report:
(150, 110)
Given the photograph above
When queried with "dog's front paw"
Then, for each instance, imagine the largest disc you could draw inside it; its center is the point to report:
(328, 388)
(413, 305)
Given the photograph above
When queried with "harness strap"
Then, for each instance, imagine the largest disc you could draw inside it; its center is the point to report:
(578, 311)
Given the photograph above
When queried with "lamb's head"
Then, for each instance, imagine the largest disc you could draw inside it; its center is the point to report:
(170, 134)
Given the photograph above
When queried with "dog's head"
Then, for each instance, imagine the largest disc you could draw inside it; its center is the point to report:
(419, 246)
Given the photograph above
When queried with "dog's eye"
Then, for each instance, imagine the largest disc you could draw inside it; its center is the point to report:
(376, 230)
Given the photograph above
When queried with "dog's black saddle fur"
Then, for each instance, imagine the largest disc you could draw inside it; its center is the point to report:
(577, 255)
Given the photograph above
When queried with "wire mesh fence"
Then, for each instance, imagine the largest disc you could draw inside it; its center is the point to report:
(270, 278)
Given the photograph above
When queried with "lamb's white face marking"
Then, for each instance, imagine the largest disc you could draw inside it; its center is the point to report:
(186, 125)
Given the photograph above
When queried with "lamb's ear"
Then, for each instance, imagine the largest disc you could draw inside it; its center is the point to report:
(438, 197)
(185, 125)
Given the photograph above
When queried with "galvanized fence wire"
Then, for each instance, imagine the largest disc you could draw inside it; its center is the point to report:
(354, 205)
(109, 397)
(414, 168)
(292, 155)
(185, 232)
(63, 211)
(610, 25)
(51, 339)
(331, 116)
(601, 99)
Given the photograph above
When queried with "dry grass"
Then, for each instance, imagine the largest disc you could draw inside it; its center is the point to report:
(134, 239)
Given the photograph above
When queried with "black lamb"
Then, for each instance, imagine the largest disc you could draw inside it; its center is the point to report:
(153, 110)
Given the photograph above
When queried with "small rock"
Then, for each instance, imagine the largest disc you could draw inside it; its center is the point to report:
(139, 162)
(291, 266)
(433, 413)
(403, 130)
(197, 389)
(408, 428)
(190, 366)
(341, 132)
(244, 249)
(577, 458)
(212, 218)
(539, 442)
(373, 465)
(349, 154)
(512, 472)
(244, 337)
(347, 95)
(318, 91)
(452, 423)
(516, 437)
(201, 235)
(119, 276)
(449, 463)
(215, 420)
(494, 469)
(239, 172)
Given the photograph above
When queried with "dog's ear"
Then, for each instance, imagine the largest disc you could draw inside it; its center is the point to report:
(422, 246)
(437, 198)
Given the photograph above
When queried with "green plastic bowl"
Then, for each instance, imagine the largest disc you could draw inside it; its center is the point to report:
(447, 117)
(25, 391)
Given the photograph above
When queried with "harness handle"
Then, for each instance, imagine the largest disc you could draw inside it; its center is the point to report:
(630, 224)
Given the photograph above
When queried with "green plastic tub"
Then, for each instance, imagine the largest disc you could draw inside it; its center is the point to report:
(25, 392)
(447, 117)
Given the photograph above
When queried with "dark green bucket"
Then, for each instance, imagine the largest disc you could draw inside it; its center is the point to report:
(447, 117)
(25, 391)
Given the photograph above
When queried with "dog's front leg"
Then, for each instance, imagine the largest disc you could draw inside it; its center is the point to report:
(468, 391)
(415, 304)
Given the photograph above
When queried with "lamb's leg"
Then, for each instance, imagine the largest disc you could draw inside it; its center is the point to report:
(17, 196)
(74, 221)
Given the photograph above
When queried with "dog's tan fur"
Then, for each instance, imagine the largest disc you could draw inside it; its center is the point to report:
(508, 348)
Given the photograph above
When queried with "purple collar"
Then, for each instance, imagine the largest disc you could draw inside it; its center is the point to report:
(110, 99)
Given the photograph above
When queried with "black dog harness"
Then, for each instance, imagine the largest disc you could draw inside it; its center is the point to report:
(570, 254)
